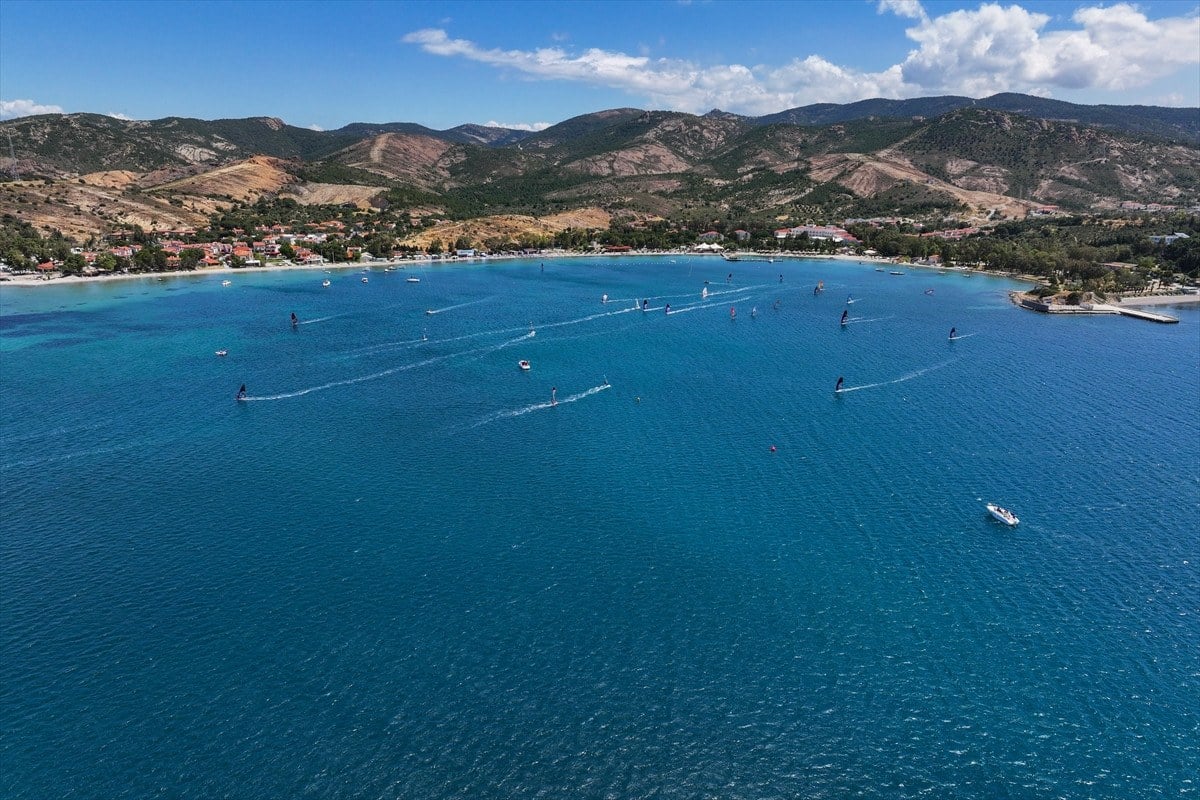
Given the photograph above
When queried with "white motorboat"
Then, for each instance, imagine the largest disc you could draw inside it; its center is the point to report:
(364, 280)
(325, 283)
(1002, 514)
(226, 283)
(523, 364)
(222, 352)
(413, 280)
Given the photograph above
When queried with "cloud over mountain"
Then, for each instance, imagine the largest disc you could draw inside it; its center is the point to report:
(9, 109)
(978, 52)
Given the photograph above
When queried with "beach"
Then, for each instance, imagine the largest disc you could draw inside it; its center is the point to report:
(30, 281)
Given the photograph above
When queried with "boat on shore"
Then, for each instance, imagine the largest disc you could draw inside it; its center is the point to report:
(1002, 514)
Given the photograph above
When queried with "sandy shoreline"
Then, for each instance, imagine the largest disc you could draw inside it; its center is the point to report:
(27, 281)
(1159, 300)
(746, 256)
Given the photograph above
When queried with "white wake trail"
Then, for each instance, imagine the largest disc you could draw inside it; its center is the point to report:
(908, 376)
(518, 412)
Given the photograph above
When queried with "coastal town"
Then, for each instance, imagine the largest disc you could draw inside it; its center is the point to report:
(1151, 266)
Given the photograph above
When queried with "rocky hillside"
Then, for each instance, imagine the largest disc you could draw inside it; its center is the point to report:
(84, 172)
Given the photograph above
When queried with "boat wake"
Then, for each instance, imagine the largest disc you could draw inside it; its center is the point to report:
(861, 321)
(964, 336)
(685, 309)
(520, 412)
(319, 319)
(460, 305)
(908, 376)
(588, 318)
(384, 373)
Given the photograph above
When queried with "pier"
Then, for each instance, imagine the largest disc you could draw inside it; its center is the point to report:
(1089, 308)
(1138, 313)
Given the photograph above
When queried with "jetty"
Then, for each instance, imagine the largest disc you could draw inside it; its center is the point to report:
(1137, 313)
(1044, 307)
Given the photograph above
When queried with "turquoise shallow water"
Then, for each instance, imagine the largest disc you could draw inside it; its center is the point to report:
(398, 572)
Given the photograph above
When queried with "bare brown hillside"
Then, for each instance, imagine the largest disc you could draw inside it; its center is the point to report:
(421, 160)
(508, 227)
(868, 175)
(334, 194)
(81, 210)
(245, 180)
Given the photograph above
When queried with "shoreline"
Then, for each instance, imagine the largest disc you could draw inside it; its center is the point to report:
(748, 256)
(1126, 302)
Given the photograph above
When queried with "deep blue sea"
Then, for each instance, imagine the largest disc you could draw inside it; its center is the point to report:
(396, 571)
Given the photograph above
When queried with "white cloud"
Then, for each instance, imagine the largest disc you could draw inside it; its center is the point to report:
(978, 52)
(1171, 99)
(996, 48)
(10, 109)
(119, 115)
(903, 8)
(315, 127)
(518, 126)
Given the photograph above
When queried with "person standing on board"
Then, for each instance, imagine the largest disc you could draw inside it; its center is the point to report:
(553, 392)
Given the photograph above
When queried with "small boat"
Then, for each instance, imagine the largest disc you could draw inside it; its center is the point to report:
(226, 283)
(895, 272)
(880, 269)
(413, 280)
(929, 291)
(364, 280)
(1002, 514)
(325, 283)
(429, 312)
(523, 364)
(222, 352)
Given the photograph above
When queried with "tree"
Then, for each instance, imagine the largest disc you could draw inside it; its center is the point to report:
(190, 258)
(105, 262)
(73, 264)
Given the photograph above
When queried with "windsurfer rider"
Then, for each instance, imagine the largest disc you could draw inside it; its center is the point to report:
(553, 398)
(845, 316)
(295, 321)
(953, 331)
(838, 388)
(241, 395)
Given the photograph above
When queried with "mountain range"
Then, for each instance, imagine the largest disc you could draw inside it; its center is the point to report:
(974, 159)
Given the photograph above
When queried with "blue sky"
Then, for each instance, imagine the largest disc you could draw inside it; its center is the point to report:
(529, 64)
